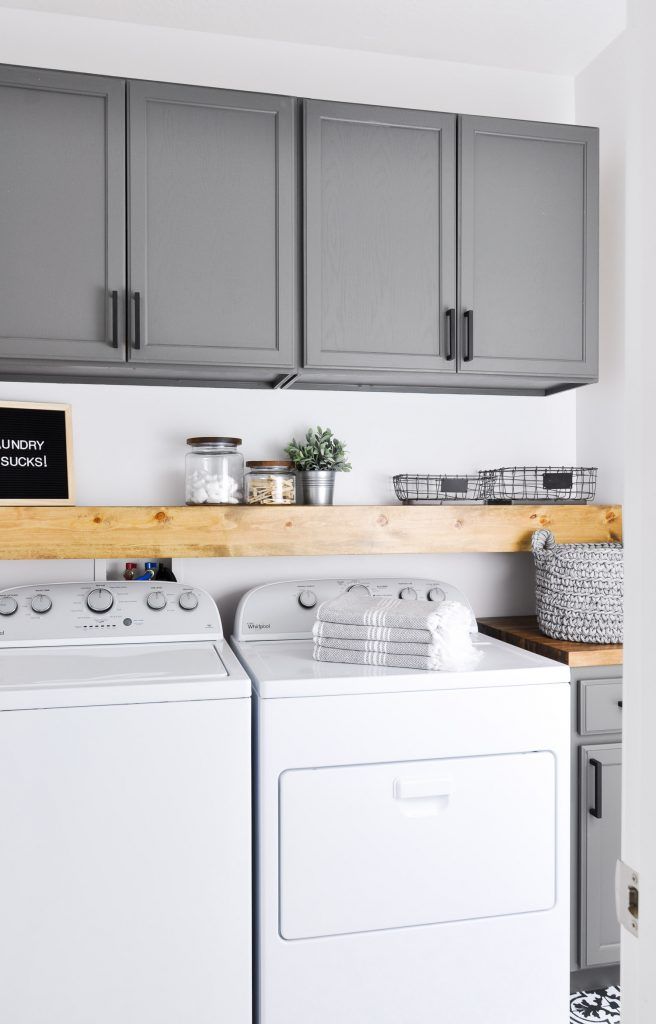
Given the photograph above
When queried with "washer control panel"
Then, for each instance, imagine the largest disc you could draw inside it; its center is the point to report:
(288, 610)
(111, 612)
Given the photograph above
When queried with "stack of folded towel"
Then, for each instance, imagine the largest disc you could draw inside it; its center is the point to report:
(398, 634)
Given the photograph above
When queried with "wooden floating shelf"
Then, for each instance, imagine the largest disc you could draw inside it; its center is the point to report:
(233, 531)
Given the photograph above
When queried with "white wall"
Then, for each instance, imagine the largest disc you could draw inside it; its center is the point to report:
(600, 99)
(130, 440)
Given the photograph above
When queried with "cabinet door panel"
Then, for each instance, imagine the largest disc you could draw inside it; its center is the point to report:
(212, 226)
(528, 247)
(380, 237)
(62, 215)
(600, 842)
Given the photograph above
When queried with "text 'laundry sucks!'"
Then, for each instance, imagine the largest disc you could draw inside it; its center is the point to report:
(22, 461)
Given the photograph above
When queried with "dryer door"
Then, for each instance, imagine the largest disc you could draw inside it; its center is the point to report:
(379, 846)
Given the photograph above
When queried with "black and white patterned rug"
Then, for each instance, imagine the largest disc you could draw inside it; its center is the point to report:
(593, 1007)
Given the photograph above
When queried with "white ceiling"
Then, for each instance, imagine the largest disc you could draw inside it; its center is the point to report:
(555, 36)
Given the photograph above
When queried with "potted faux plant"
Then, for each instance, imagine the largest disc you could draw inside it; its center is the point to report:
(317, 460)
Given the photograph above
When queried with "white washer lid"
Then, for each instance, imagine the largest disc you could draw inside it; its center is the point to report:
(286, 668)
(49, 677)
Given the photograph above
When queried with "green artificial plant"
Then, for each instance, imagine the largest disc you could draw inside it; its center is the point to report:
(321, 451)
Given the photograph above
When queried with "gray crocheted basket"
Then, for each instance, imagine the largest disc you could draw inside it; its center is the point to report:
(579, 590)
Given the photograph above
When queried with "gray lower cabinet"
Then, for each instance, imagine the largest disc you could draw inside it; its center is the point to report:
(596, 824)
(380, 242)
(212, 230)
(528, 263)
(62, 217)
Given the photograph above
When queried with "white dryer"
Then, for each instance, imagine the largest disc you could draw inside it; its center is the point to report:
(412, 843)
(125, 850)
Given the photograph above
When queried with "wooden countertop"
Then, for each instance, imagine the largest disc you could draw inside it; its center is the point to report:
(522, 631)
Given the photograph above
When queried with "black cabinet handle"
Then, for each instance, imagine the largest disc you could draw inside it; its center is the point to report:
(468, 353)
(450, 334)
(597, 767)
(620, 704)
(114, 298)
(136, 343)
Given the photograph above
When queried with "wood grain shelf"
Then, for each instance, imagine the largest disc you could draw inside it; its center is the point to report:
(222, 532)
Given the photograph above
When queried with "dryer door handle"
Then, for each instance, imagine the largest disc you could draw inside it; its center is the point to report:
(422, 789)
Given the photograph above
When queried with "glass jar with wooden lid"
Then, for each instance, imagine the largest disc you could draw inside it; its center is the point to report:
(270, 482)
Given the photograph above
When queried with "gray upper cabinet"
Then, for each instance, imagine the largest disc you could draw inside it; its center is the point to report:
(380, 241)
(62, 217)
(528, 240)
(212, 230)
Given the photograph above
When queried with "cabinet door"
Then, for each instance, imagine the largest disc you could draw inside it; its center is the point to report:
(601, 787)
(62, 216)
(212, 227)
(528, 248)
(380, 238)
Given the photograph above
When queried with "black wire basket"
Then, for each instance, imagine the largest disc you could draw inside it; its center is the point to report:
(539, 484)
(433, 489)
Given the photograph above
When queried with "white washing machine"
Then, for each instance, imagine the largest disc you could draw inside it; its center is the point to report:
(412, 843)
(125, 850)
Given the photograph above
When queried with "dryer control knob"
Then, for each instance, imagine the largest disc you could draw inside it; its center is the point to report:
(41, 604)
(408, 594)
(436, 594)
(307, 599)
(359, 588)
(8, 605)
(188, 601)
(156, 600)
(99, 600)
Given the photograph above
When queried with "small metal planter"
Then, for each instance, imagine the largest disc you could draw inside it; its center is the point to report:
(318, 486)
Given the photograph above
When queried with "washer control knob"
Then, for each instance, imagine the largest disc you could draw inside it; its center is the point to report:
(41, 604)
(8, 605)
(359, 588)
(99, 600)
(188, 600)
(156, 600)
(408, 594)
(307, 599)
(436, 594)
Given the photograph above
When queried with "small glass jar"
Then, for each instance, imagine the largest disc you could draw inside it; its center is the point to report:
(214, 471)
(270, 482)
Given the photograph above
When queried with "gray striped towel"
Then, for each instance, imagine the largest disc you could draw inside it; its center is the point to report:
(382, 634)
(383, 612)
(375, 646)
(376, 658)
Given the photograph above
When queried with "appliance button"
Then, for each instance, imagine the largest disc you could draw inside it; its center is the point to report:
(41, 604)
(8, 605)
(156, 600)
(188, 600)
(99, 600)
(408, 594)
(436, 594)
(307, 599)
(358, 588)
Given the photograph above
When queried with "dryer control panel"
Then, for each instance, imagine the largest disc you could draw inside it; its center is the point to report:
(111, 612)
(288, 610)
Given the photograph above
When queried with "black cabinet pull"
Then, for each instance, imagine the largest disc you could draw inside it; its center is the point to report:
(450, 334)
(136, 343)
(597, 767)
(114, 298)
(620, 704)
(468, 354)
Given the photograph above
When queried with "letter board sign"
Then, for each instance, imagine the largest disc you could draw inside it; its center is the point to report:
(36, 454)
